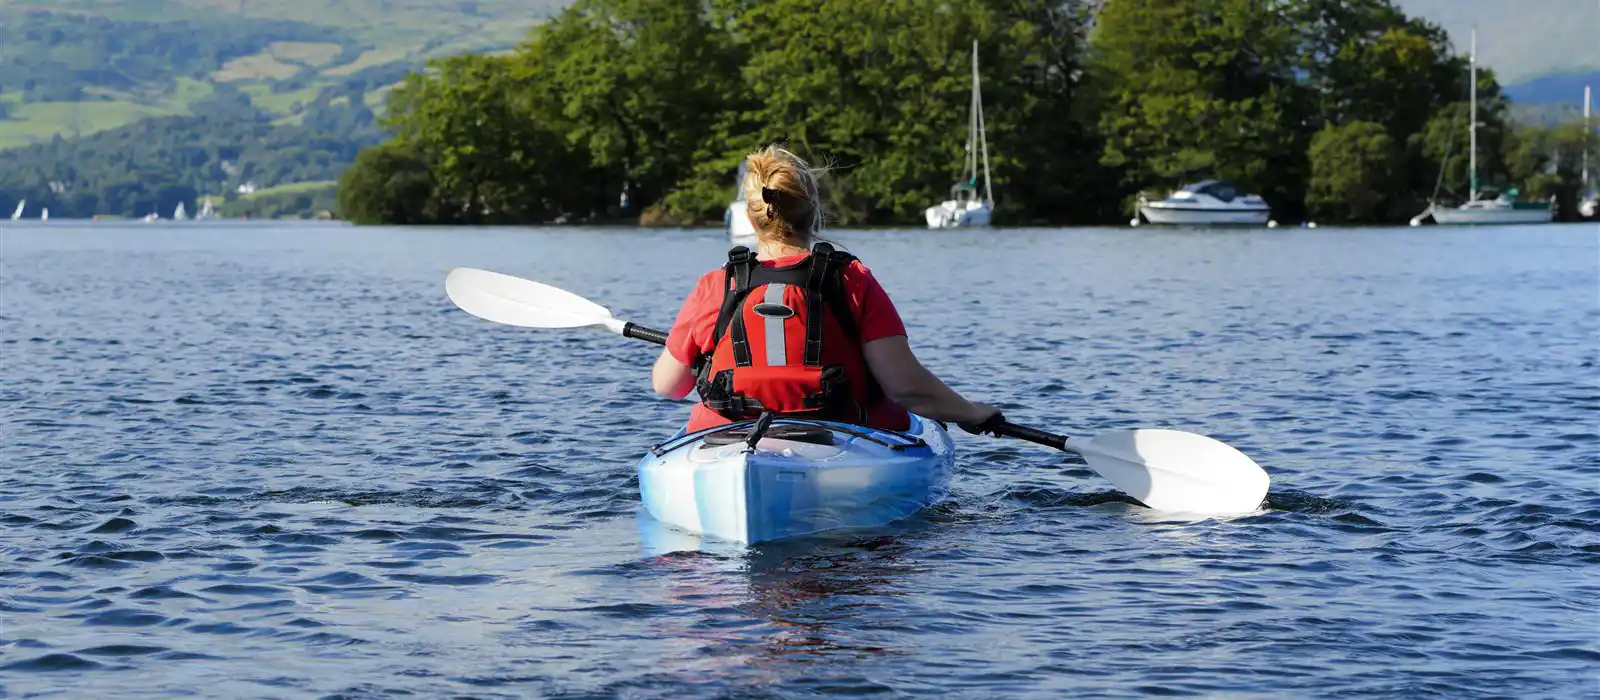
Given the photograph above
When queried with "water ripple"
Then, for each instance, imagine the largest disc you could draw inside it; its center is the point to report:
(273, 460)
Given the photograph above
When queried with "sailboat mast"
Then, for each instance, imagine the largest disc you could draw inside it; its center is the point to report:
(1588, 135)
(969, 171)
(983, 135)
(1472, 123)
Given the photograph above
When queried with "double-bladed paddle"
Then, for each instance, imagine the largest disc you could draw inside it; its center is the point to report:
(1168, 470)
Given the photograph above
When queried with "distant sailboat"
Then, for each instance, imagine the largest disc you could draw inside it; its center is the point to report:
(206, 211)
(1588, 198)
(179, 214)
(18, 213)
(1508, 208)
(44, 215)
(965, 207)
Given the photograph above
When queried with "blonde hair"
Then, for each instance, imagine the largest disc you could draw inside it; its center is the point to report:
(781, 195)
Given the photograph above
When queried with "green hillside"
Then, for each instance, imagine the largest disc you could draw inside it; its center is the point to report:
(76, 67)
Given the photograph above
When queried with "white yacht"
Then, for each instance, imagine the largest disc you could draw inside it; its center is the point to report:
(1207, 203)
(1507, 208)
(965, 208)
(736, 220)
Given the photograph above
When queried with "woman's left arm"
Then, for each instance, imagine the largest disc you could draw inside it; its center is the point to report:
(670, 377)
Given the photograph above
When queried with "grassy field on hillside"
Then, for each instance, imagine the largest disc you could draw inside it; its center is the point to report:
(288, 189)
(40, 121)
(375, 34)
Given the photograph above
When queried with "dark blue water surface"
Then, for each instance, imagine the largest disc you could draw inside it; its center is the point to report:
(275, 461)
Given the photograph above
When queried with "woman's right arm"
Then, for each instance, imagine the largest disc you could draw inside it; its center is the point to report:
(906, 382)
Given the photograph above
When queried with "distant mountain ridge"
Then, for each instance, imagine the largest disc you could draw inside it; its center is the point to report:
(1520, 39)
(1558, 88)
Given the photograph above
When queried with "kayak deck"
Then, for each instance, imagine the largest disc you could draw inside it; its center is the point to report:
(854, 477)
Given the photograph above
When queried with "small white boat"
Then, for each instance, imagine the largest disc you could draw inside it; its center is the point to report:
(736, 220)
(152, 217)
(965, 208)
(803, 477)
(1207, 203)
(44, 215)
(179, 214)
(1507, 208)
(206, 211)
(17, 215)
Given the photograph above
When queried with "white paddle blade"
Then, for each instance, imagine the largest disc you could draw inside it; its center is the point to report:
(518, 302)
(1171, 470)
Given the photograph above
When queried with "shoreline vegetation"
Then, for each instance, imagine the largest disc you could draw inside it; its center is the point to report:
(1345, 112)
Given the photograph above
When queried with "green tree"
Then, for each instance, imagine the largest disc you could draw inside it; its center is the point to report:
(1351, 170)
(491, 156)
(1202, 88)
(638, 85)
(1545, 162)
(387, 185)
(879, 91)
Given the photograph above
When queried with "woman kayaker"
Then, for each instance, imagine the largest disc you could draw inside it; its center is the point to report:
(798, 328)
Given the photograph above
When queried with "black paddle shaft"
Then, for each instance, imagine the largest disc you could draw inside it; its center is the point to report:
(630, 330)
(1023, 432)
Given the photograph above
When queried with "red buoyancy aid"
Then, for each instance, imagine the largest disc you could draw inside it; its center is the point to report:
(786, 342)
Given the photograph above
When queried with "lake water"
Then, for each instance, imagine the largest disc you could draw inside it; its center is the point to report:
(248, 460)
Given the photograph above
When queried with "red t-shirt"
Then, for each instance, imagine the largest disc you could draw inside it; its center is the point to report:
(690, 338)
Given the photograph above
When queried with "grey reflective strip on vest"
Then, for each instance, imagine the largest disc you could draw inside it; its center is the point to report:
(777, 352)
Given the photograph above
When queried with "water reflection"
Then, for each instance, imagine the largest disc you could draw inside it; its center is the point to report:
(793, 601)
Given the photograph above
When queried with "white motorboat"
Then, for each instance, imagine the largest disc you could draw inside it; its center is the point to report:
(1207, 203)
(1507, 208)
(965, 208)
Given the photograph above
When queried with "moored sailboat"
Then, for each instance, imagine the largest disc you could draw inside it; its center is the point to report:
(1508, 207)
(965, 208)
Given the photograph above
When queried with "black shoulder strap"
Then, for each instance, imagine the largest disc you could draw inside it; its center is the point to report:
(816, 290)
(735, 284)
(839, 304)
(833, 287)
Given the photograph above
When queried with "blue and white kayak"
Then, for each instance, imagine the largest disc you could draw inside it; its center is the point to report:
(804, 476)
